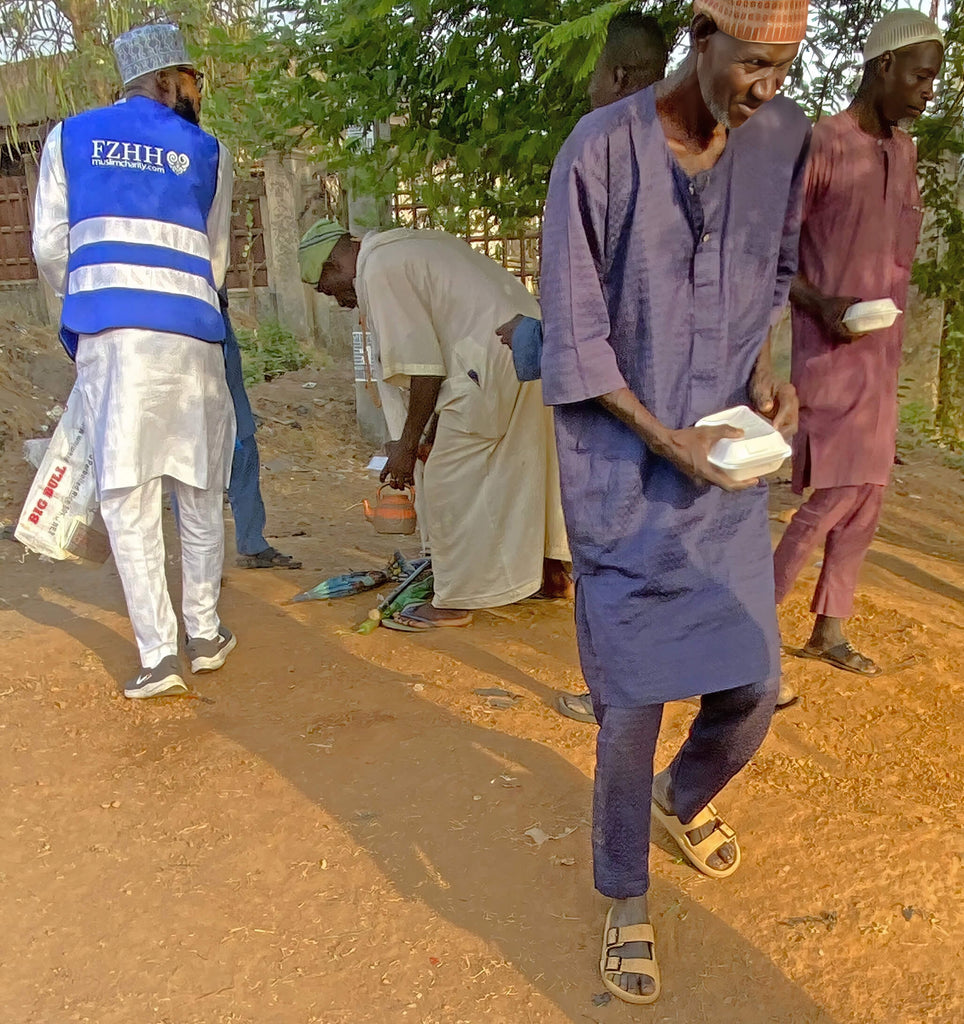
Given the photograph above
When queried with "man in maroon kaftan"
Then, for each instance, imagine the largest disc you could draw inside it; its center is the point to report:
(861, 223)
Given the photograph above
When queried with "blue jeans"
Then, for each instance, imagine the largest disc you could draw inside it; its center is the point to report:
(244, 494)
(725, 734)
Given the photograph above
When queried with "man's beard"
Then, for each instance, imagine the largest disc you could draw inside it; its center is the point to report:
(185, 108)
(719, 111)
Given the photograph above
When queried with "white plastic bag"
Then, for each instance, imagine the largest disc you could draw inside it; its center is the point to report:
(60, 518)
(35, 449)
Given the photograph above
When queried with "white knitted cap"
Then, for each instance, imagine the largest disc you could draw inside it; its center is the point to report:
(900, 28)
(149, 48)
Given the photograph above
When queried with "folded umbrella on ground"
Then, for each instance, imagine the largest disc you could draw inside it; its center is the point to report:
(357, 582)
(343, 586)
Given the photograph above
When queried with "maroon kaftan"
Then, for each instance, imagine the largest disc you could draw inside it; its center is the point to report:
(861, 223)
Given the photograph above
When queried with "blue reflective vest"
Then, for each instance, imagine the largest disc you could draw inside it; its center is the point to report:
(140, 185)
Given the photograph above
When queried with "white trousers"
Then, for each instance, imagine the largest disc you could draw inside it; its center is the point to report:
(133, 519)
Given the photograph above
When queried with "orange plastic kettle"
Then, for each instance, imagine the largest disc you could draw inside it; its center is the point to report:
(393, 512)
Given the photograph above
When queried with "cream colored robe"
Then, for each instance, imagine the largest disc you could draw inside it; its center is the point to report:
(491, 485)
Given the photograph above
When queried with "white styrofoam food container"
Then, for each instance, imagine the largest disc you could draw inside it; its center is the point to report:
(761, 449)
(875, 315)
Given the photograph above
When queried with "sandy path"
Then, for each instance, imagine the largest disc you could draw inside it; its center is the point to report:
(335, 831)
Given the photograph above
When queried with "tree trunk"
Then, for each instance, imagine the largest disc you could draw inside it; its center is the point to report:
(950, 381)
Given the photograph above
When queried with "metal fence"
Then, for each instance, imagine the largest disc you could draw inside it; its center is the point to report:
(249, 265)
(520, 253)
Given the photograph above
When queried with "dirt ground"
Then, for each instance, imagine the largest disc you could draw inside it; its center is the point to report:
(333, 829)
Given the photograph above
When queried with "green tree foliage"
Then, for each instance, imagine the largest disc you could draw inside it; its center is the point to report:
(479, 97)
(940, 272)
(477, 110)
(825, 75)
(63, 61)
(563, 45)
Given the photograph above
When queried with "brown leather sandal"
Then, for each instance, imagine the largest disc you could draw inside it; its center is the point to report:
(845, 656)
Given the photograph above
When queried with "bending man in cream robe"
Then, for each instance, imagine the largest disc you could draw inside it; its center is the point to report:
(491, 483)
(132, 227)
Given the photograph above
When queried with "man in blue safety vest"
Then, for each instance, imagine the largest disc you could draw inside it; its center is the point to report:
(132, 228)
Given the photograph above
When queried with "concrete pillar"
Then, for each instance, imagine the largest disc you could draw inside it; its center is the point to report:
(282, 229)
(367, 213)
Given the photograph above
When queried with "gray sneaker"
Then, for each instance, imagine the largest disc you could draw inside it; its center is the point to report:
(210, 655)
(163, 680)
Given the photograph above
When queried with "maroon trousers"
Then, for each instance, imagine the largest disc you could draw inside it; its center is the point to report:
(845, 520)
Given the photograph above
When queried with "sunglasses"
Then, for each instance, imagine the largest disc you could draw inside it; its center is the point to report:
(198, 77)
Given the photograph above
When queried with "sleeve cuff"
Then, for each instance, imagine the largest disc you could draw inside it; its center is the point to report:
(527, 349)
(569, 388)
(400, 374)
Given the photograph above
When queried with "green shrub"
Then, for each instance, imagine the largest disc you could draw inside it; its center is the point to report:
(917, 421)
(270, 351)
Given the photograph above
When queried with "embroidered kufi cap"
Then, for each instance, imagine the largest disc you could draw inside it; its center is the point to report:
(150, 48)
(315, 248)
(758, 21)
(898, 29)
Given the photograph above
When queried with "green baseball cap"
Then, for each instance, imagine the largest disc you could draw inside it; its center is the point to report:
(315, 248)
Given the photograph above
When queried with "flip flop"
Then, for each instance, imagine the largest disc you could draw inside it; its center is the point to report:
(267, 559)
(611, 964)
(568, 704)
(844, 656)
(400, 626)
(697, 853)
(409, 618)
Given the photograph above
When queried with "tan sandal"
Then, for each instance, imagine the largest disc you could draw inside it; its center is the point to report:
(698, 853)
(611, 964)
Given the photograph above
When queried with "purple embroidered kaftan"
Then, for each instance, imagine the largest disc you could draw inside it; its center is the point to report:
(666, 285)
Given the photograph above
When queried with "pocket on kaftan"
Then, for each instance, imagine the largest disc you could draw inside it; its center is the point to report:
(479, 395)
(609, 506)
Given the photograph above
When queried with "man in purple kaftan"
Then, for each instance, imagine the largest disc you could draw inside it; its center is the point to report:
(662, 275)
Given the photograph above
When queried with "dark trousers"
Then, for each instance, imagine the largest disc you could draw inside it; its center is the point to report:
(725, 734)
(244, 494)
(844, 519)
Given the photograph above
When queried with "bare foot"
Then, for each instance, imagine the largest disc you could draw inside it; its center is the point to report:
(556, 581)
(627, 912)
(725, 856)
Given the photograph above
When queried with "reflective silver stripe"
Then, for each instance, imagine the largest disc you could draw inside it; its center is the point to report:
(140, 231)
(145, 279)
